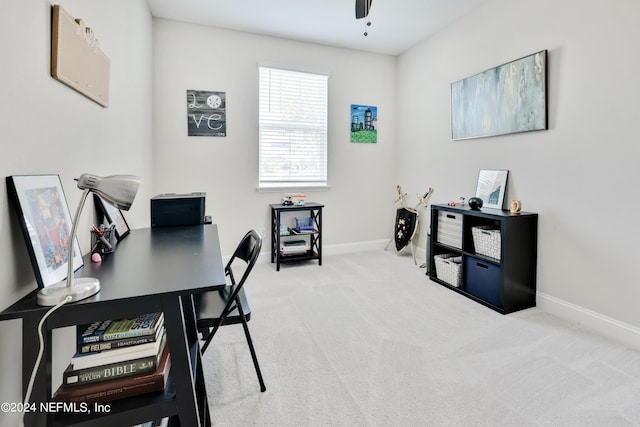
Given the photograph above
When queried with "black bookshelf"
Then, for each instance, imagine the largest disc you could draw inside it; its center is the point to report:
(504, 281)
(311, 210)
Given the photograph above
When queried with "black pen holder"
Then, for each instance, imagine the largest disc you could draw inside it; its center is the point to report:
(104, 244)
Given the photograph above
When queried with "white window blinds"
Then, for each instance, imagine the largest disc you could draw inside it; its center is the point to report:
(293, 128)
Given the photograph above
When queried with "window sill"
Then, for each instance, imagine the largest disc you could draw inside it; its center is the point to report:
(292, 188)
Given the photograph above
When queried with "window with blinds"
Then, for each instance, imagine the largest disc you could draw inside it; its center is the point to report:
(292, 129)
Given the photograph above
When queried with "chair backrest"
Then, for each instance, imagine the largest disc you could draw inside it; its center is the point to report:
(248, 251)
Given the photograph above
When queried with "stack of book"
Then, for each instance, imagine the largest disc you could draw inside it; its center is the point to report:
(117, 359)
(297, 199)
(294, 247)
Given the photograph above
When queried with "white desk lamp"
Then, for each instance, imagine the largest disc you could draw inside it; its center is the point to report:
(118, 190)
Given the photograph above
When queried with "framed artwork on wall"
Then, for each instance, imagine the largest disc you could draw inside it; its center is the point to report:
(76, 57)
(46, 225)
(509, 98)
(492, 186)
(206, 113)
(364, 123)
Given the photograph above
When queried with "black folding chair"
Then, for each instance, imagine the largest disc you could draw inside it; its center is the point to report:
(230, 306)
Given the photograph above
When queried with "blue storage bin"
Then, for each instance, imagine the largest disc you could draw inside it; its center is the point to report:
(482, 279)
(304, 224)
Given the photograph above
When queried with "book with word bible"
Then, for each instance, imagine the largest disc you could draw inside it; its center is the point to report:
(108, 330)
(118, 388)
(130, 366)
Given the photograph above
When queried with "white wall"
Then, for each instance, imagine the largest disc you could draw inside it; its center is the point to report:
(359, 203)
(48, 128)
(581, 175)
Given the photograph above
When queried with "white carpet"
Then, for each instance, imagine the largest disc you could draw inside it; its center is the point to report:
(367, 339)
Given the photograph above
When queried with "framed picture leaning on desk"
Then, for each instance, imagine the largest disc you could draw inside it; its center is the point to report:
(46, 225)
(112, 215)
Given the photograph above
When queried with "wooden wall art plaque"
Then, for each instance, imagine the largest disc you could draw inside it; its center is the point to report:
(76, 58)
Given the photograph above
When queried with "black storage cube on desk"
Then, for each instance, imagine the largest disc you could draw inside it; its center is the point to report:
(171, 209)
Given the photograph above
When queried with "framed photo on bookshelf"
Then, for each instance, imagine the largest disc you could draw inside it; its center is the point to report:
(112, 215)
(46, 225)
(492, 186)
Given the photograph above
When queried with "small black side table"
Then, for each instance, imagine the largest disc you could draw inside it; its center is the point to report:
(314, 211)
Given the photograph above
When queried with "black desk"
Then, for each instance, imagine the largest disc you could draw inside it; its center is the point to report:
(155, 269)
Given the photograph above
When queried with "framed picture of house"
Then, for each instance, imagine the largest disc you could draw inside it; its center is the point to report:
(364, 123)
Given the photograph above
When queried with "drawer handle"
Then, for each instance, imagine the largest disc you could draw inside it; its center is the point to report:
(486, 267)
(451, 216)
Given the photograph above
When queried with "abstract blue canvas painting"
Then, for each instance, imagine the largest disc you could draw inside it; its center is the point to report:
(506, 99)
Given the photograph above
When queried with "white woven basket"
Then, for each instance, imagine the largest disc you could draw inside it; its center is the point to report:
(486, 241)
(447, 270)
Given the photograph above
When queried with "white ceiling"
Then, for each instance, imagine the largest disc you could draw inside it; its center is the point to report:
(396, 25)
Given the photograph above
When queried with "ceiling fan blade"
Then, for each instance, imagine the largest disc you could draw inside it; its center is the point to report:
(362, 8)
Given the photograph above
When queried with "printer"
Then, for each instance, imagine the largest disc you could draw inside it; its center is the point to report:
(171, 209)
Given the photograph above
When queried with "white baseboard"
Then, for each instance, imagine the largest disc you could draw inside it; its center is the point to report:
(345, 248)
(604, 325)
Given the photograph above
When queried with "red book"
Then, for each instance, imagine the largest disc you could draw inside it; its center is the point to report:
(107, 391)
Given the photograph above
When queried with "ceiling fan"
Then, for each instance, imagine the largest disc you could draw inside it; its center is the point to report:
(362, 8)
(362, 11)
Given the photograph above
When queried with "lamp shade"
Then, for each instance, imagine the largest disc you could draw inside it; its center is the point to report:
(119, 190)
